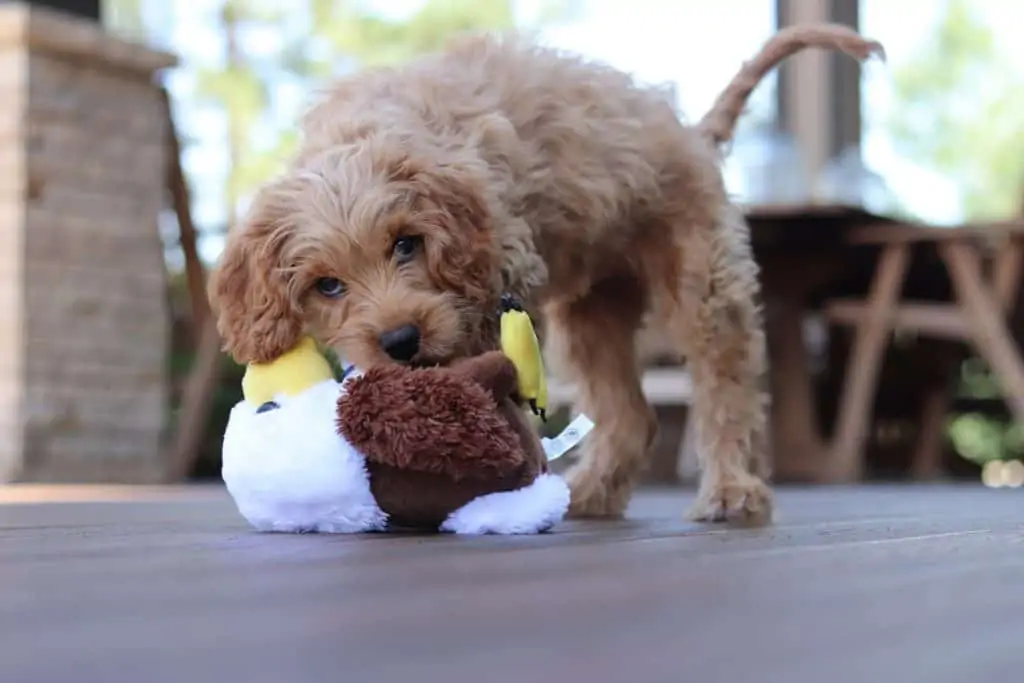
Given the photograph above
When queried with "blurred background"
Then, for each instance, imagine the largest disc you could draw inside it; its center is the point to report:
(935, 135)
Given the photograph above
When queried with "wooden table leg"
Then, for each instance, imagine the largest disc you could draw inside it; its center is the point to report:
(988, 330)
(926, 462)
(797, 447)
(855, 403)
(1006, 273)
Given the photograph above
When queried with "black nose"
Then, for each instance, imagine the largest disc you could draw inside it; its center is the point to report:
(401, 343)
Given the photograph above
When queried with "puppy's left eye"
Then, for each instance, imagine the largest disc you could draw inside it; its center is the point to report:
(330, 287)
(406, 247)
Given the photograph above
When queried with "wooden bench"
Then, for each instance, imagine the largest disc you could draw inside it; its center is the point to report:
(977, 315)
(662, 386)
(814, 253)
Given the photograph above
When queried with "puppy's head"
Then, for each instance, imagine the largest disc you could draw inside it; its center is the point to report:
(386, 257)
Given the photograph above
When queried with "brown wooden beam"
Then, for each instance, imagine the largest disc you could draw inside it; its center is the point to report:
(1006, 273)
(861, 380)
(992, 339)
(940, 321)
(187, 234)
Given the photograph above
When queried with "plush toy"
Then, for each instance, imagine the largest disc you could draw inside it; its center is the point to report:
(444, 448)
(282, 460)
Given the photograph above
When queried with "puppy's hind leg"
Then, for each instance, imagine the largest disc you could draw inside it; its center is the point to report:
(717, 321)
(596, 337)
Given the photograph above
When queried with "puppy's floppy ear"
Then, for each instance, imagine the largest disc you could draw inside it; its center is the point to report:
(462, 253)
(257, 317)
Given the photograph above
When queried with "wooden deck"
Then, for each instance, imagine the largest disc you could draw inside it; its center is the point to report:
(852, 585)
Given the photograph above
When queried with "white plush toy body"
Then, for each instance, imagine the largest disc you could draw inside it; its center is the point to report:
(289, 470)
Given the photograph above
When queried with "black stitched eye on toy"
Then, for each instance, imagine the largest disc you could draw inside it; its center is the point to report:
(330, 287)
(406, 247)
(267, 407)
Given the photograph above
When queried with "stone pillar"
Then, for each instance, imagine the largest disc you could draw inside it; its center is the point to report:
(84, 322)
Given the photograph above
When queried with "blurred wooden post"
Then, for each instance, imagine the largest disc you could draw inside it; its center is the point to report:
(819, 108)
(195, 403)
(796, 445)
(819, 91)
(182, 203)
(202, 379)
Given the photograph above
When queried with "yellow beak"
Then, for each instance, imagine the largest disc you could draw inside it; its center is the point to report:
(290, 374)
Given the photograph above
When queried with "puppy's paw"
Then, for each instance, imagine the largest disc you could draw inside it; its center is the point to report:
(592, 508)
(591, 499)
(745, 500)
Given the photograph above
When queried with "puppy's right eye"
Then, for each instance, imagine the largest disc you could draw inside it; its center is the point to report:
(330, 287)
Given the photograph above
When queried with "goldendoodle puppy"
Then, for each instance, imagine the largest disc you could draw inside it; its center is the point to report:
(423, 193)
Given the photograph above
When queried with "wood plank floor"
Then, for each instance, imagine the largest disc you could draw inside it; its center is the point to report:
(881, 584)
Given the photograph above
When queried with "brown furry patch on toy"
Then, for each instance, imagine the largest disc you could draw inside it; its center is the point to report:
(428, 420)
(421, 500)
(434, 439)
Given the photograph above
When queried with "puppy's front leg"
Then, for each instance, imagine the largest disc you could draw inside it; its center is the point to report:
(595, 338)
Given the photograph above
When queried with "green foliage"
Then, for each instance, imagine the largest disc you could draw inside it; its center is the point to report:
(349, 30)
(373, 41)
(124, 18)
(981, 439)
(348, 35)
(976, 381)
(977, 437)
(317, 39)
(959, 108)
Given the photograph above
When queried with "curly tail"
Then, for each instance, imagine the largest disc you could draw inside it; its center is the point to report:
(719, 124)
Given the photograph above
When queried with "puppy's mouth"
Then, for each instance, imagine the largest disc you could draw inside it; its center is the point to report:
(427, 362)
(425, 358)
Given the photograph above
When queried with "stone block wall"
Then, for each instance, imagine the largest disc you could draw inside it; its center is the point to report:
(84, 320)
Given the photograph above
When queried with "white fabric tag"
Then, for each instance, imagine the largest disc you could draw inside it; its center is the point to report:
(575, 432)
